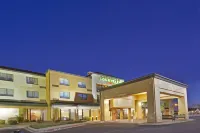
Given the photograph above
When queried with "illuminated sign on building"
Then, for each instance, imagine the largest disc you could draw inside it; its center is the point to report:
(111, 79)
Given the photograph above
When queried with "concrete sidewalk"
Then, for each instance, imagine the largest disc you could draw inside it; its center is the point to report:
(165, 122)
(127, 121)
(14, 127)
(49, 129)
(144, 122)
(60, 127)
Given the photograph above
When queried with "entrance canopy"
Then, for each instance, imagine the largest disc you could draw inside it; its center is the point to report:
(144, 84)
(151, 89)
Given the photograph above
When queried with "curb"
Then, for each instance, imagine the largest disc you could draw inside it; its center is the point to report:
(14, 128)
(162, 124)
(52, 129)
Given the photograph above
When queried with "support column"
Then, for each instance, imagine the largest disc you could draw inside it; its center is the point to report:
(30, 114)
(99, 114)
(183, 107)
(76, 114)
(121, 114)
(82, 114)
(60, 116)
(90, 114)
(27, 114)
(129, 114)
(102, 106)
(70, 116)
(153, 100)
(138, 109)
(114, 114)
(171, 107)
(49, 113)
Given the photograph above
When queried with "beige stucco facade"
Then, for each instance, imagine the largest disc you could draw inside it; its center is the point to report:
(56, 88)
(72, 106)
(20, 86)
(17, 102)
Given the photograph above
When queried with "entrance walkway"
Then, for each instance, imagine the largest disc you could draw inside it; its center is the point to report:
(127, 121)
(144, 122)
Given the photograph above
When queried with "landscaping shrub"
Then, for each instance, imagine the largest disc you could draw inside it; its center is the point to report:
(86, 118)
(26, 120)
(12, 122)
(33, 120)
(56, 121)
(39, 121)
(2, 121)
(20, 119)
(12, 118)
(52, 123)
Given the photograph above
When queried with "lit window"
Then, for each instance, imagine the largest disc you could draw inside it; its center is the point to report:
(65, 95)
(64, 82)
(6, 92)
(82, 96)
(31, 80)
(32, 94)
(81, 85)
(6, 76)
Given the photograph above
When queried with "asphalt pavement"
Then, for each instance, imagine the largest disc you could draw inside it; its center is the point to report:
(186, 127)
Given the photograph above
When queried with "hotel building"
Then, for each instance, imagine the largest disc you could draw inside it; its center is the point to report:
(97, 96)
(54, 95)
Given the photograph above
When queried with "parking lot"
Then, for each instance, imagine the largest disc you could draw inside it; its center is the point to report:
(187, 127)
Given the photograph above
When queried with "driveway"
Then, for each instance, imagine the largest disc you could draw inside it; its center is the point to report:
(187, 127)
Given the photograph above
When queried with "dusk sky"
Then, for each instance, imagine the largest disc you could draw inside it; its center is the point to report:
(125, 38)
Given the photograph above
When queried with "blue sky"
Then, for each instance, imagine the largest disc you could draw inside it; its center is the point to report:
(125, 38)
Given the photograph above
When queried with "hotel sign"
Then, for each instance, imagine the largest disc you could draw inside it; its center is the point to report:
(111, 79)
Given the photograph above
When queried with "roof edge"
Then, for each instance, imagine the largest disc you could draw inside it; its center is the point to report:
(21, 70)
(129, 82)
(67, 73)
(170, 80)
(153, 75)
(100, 73)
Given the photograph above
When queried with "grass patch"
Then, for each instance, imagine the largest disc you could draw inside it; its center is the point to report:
(4, 125)
(51, 124)
(19, 124)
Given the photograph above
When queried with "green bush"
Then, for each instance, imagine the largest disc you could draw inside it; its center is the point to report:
(33, 120)
(39, 121)
(86, 118)
(20, 119)
(12, 122)
(56, 121)
(26, 120)
(12, 118)
(2, 121)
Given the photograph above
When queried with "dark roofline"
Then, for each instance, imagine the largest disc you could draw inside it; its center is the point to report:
(105, 75)
(153, 75)
(21, 70)
(158, 76)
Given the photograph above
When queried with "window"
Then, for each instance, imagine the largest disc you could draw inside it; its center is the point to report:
(6, 92)
(32, 94)
(65, 95)
(64, 82)
(31, 80)
(81, 85)
(6, 77)
(82, 96)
